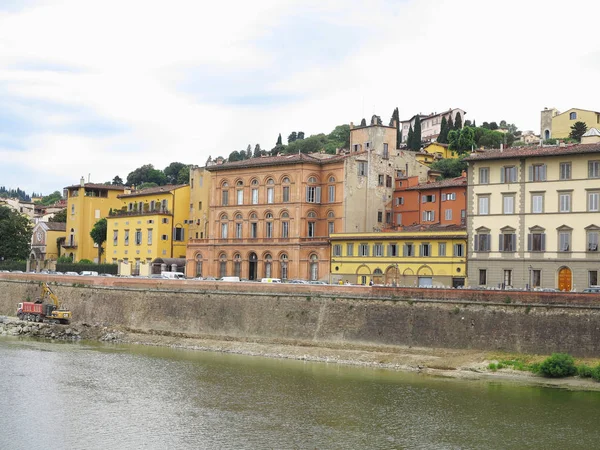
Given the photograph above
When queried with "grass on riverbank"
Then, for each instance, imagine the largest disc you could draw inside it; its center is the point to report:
(556, 366)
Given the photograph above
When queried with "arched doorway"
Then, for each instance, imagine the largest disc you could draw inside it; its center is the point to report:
(392, 276)
(565, 279)
(252, 266)
(377, 276)
(314, 267)
(547, 134)
(199, 265)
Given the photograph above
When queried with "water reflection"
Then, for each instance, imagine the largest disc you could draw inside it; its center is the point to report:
(96, 396)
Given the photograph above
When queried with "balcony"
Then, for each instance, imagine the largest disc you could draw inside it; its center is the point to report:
(145, 212)
(69, 244)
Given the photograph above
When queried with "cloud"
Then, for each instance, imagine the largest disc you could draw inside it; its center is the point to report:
(103, 88)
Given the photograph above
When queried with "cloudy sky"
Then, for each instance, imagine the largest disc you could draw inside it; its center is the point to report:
(99, 88)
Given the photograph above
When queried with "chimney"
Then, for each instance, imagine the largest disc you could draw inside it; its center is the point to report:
(82, 182)
(351, 125)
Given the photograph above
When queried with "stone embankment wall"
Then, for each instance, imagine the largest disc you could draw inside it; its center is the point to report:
(511, 321)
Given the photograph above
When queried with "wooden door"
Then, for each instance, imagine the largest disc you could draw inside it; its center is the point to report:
(564, 279)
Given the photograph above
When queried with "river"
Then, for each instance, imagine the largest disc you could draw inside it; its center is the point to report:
(99, 396)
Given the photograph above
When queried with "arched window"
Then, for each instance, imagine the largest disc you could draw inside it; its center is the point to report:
(268, 266)
(284, 266)
(311, 230)
(573, 116)
(314, 267)
(270, 191)
(269, 226)
(285, 190)
(237, 265)
(285, 225)
(222, 265)
(254, 182)
(313, 192)
(239, 183)
(253, 226)
(254, 191)
(238, 226)
(330, 222)
(199, 265)
(225, 193)
(331, 190)
(224, 226)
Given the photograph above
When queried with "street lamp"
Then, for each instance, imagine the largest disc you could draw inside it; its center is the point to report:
(530, 272)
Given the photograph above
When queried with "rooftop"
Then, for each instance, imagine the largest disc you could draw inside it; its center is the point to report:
(530, 152)
(448, 182)
(153, 190)
(113, 187)
(316, 158)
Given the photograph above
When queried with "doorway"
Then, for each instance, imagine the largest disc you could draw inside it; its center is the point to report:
(252, 265)
(565, 279)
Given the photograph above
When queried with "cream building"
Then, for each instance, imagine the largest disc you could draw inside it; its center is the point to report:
(534, 217)
(430, 124)
(557, 125)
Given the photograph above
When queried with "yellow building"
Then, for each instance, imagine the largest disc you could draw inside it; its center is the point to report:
(148, 224)
(86, 204)
(533, 217)
(200, 184)
(557, 125)
(45, 248)
(434, 152)
(416, 256)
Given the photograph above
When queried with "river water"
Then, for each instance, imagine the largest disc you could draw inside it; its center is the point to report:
(96, 396)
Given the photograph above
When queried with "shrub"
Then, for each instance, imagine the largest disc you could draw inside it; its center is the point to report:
(85, 261)
(492, 366)
(596, 373)
(558, 365)
(584, 371)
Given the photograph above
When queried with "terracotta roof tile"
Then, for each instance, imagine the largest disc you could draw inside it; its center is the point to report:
(56, 226)
(277, 161)
(534, 152)
(112, 187)
(152, 190)
(448, 182)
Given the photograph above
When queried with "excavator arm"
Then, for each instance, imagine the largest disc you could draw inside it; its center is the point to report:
(47, 292)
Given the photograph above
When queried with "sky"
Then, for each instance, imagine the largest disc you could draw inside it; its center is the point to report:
(100, 88)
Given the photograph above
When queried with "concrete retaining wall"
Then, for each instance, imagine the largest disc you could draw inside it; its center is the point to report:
(324, 314)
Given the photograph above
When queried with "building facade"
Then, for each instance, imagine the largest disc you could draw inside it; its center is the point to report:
(149, 224)
(86, 204)
(45, 245)
(270, 217)
(430, 124)
(416, 256)
(435, 202)
(557, 125)
(200, 187)
(534, 217)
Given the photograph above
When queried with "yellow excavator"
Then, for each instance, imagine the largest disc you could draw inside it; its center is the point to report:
(40, 311)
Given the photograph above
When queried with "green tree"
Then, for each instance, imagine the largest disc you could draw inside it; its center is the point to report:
(50, 199)
(453, 137)
(450, 167)
(493, 126)
(466, 140)
(235, 156)
(416, 138)
(578, 129)
(450, 123)
(146, 173)
(183, 176)
(98, 235)
(300, 135)
(341, 136)
(249, 152)
(485, 125)
(146, 185)
(503, 125)
(172, 172)
(292, 137)
(443, 136)
(257, 151)
(395, 121)
(279, 143)
(409, 138)
(117, 181)
(60, 217)
(363, 123)
(468, 123)
(15, 232)
(458, 121)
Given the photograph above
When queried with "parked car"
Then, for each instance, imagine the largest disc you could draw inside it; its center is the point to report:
(317, 282)
(75, 274)
(592, 289)
(298, 281)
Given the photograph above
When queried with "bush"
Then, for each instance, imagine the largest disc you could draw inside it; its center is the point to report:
(85, 261)
(596, 373)
(584, 371)
(558, 365)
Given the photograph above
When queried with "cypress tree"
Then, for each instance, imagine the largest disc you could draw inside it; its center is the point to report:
(443, 137)
(396, 117)
(363, 123)
(458, 122)
(409, 139)
(416, 140)
(450, 124)
(279, 143)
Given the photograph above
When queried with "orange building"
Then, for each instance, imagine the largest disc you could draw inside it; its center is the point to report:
(270, 217)
(441, 202)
